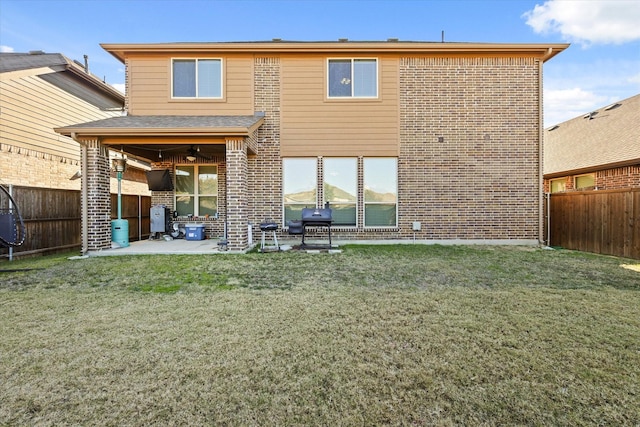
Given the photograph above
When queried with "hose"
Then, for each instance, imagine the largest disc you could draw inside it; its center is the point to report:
(21, 229)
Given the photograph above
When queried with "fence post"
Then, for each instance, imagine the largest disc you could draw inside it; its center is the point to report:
(10, 207)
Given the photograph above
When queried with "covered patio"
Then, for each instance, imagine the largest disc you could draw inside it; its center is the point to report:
(225, 142)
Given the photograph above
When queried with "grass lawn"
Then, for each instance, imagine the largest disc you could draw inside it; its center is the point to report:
(376, 335)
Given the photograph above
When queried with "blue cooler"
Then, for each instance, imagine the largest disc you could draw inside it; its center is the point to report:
(195, 232)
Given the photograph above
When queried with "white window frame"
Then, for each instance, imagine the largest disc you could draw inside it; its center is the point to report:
(196, 78)
(353, 60)
(196, 183)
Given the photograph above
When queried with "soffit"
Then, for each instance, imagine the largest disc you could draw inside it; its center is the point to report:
(542, 51)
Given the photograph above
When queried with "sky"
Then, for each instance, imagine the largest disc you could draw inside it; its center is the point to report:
(601, 66)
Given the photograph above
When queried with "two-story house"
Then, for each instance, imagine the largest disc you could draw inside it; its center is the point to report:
(405, 140)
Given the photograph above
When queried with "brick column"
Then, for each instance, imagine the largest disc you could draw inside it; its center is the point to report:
(237, 194)
(96, 191)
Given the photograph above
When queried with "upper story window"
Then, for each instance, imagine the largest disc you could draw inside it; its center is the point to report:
(196, 78)
(353, 78)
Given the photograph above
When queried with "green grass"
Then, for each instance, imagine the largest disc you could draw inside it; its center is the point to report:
(377, 335)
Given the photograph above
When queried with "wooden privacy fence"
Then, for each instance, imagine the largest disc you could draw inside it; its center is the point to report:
(53, 221)
(604, 222)
(137, 210)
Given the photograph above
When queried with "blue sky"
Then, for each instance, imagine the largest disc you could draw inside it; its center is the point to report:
(601, 66)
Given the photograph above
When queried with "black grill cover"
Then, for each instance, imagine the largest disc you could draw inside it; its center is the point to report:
(316, 216)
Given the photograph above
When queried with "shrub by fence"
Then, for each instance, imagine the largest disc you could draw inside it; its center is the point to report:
(53, 221)
(604, 222)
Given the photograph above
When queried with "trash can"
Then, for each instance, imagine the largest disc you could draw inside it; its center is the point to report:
(120, 232)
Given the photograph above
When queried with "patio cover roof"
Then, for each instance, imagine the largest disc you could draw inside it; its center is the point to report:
(146, 137)
(158, 126)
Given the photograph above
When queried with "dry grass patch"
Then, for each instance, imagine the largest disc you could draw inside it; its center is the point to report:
(376, 335)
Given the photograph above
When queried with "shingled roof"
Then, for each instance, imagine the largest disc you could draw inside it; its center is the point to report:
(162, 125)
(607, 137)
(16, 61)
(10, 61)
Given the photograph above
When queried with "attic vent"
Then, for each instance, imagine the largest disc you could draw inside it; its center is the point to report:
(393, 40)
(343, 40)
(36, 52)
(590, 115)
(612, 106)
(554, 128)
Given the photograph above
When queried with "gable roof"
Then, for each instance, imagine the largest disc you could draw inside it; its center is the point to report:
(604, 138)
(56, 62)
(10, 61)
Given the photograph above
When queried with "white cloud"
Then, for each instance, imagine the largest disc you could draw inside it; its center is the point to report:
(565, 104)
(634, 79)
(5, 49)
(588, 22)
(120, 87)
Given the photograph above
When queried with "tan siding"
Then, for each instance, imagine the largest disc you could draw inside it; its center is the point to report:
(150, 83)
(32, 107)
(312, 125)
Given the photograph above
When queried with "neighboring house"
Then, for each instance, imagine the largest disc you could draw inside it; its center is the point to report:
(599, 150)
(406, 140)
(39, 92)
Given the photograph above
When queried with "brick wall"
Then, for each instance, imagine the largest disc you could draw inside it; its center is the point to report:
(624, 177)
(265, 169)
(469, 150)
(606, 179)
(469, 162)
(35, 169)
(237, 200)
(98, 228)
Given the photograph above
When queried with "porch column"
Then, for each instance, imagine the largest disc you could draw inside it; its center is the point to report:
(237, 197)
(96, 197)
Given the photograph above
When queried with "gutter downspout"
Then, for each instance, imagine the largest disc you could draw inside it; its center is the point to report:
(84, 179)
(540, 154)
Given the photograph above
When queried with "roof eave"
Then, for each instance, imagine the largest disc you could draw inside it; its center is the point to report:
(591, 169)
(543, 51)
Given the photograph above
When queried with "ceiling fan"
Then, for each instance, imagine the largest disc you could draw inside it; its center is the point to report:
(193, 153)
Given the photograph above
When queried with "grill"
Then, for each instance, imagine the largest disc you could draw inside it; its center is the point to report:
(312, 218)
(265, 227)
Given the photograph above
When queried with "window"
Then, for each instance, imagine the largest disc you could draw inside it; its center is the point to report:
(585, 181)
(341, 189)
(355, 78)
(196, 190)
(299, 183)
(380, 192)
(197, 78)
(558, 185)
